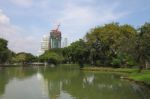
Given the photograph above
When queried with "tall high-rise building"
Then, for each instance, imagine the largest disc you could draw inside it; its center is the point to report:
(51, 41)
(65, 42)
(55, 38)
(44, 43)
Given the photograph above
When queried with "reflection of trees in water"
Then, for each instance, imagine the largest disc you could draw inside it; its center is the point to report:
(24, 72)
(7, 74)
(104, 86)
(54, 89)
(4, 78)
(55, 78)
(141, 91)
(87, 85)
(78, 84)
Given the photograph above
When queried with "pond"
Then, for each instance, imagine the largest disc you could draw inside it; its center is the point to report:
(65, 82)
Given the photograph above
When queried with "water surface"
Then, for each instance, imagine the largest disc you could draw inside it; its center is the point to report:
(65, 83)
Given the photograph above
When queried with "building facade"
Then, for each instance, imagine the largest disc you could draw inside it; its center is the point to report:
(64, 42)
(51, 41)
(55, 39)
(44, 43)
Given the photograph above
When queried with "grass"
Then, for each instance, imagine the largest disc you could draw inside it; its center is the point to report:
(144, 76)
(108, 69)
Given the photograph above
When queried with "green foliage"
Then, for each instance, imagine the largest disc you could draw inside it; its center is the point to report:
(143, 44)
(67, 54)
(108, 45)
(77, 52)
(51, 57)
(4, 51)
(116, 62)
(23, 58)
(111, 45)
(123, 60)
(57, 50)
(106, 42)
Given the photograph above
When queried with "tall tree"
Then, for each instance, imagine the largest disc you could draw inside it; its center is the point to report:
(4, 51)
(77, 52)
(107, 41)
(143, 45)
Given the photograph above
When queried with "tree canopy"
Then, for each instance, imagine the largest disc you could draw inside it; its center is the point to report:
(51, 57)
(4, 51)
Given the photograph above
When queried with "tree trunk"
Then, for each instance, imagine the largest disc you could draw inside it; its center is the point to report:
(141, 64)
(147, 65)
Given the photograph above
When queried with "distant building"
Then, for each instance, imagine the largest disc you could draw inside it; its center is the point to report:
(64, 42)
(44, 44)
(55, 38)
(51, 41)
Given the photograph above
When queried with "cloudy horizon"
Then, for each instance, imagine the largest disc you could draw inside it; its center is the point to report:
(24, 22)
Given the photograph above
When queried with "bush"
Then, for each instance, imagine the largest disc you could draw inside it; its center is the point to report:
(116, 62)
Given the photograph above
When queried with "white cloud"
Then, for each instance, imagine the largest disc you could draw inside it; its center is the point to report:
(3, 18)
(22, 3)
(88, 14)
(76, 19)
(76, 14)
(5, 26)
(18, 41)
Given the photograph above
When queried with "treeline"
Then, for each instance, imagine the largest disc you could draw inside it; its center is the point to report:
(9, 57)
(111, 45)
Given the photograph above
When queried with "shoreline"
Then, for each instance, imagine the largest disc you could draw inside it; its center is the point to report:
(129, 74)
(141, 83)
(126, 74)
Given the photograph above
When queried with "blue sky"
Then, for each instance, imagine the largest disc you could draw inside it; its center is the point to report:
(24, 22)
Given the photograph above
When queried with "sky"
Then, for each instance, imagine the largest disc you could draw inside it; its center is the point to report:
(24, 22)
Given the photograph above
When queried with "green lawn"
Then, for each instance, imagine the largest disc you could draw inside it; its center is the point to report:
(143, 76)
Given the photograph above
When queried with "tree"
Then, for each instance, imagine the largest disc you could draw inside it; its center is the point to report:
(143, 45)
(126, 46)
(51, 57)
(67, 54)
(4, 51)
(23, 58)
(107, 41)
(77, 52)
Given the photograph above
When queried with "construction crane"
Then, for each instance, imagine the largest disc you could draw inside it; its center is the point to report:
(57, 27)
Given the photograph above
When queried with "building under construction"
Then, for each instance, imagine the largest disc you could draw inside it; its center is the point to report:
(55, 38)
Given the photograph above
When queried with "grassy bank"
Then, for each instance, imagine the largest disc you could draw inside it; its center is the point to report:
(143, 76)
(133, 74)
(123, 70)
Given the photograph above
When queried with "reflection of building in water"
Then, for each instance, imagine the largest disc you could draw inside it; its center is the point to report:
(44, 84)
(54, 85)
